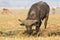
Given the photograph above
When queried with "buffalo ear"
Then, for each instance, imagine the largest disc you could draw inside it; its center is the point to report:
(19, 20)
(22, 24)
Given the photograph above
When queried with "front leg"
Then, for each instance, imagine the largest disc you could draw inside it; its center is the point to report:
(37, 28)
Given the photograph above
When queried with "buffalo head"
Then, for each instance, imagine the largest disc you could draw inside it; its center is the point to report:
(27, 22)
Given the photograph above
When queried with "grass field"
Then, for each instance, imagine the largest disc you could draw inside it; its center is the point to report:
(11, 30)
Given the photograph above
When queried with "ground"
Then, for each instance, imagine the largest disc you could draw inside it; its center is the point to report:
(11, 30)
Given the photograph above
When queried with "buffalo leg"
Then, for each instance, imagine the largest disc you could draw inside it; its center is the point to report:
(38, 27)
(46, 19)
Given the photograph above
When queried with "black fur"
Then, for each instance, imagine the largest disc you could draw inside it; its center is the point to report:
(38, 11)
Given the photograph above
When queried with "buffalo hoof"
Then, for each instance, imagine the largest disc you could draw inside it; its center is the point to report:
(28, 32)
(36, 34)
(22, 24)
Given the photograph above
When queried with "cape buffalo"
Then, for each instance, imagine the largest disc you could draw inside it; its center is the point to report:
(37, 13)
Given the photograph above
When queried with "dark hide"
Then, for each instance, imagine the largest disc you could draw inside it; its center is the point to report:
(38, 11)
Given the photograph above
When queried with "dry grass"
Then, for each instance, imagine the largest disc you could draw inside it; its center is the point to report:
(9, 22)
